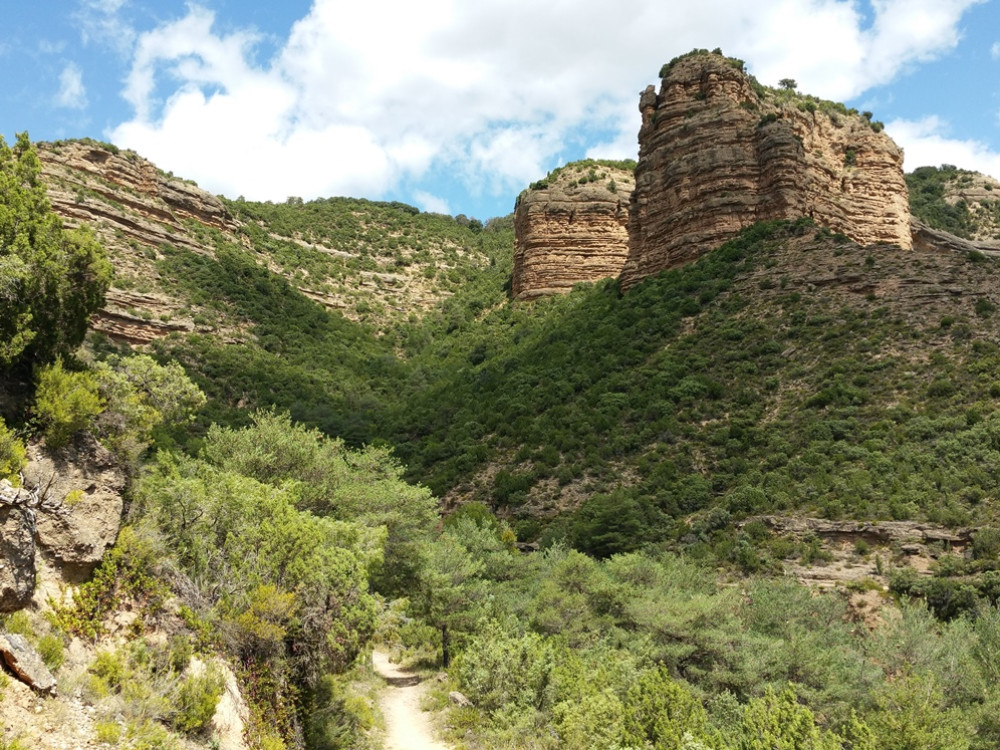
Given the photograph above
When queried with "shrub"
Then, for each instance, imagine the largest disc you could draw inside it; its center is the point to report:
(196, 700)
(65, 402)
(50, 648)
(12, 453)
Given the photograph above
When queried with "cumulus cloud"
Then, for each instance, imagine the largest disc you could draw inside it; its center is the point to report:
(72, 93)
(926, 142)
(363, 95)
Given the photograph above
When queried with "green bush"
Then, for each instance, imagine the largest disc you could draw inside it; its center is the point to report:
(13, 455)
(65, 402)
(195, 701)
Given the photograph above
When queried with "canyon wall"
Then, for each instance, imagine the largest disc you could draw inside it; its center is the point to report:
(718, 152)
(571, 227)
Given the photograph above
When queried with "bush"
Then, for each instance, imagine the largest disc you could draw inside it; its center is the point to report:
(12, 453)
(196, 700)
(65, 402)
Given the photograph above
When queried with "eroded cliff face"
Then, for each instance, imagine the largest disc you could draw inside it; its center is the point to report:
(571, 228)
(134, 209)
(718, 153)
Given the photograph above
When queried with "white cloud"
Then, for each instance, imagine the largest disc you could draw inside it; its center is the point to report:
(926, 143)
(72, 93)
(432, 203)
(362, 95)
(995, 50)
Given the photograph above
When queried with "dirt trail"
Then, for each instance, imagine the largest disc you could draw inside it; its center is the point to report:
(406, 726)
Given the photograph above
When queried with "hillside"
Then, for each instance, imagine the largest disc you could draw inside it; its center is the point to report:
(355, 416)
(792, 369)
(303, 306)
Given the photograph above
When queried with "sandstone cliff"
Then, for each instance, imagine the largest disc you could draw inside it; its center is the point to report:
(571, 227)
(718, 152)
(134, 209)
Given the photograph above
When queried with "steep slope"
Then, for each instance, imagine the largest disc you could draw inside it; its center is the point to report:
(372, 262)
(964, 203)
(718, 152)
(789, 369)
(571, 227)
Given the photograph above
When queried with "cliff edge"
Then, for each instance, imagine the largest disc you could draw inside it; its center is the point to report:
(719, 152)
(572, 227)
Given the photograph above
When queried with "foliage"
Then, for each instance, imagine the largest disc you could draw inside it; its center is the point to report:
(65, 402)
(12, 453)
(125, 575)
(51, 280)
(140, 396)
(927, 202)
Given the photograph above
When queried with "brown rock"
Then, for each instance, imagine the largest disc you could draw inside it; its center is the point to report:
(25, 663)
(717, 154)
(459, 700)
(17, 553)
(81, 512)
(568, 232)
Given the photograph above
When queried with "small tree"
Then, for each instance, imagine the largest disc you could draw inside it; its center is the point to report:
(788, 84)
(51, 280)
(450, 590)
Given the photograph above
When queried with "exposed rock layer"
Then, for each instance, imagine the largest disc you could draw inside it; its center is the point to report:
(717, 154)
(133, 208)
(568, 232)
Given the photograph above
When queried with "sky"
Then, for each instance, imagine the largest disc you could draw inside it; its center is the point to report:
(456, 105)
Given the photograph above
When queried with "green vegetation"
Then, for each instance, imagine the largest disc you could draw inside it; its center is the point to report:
(933, 201)
(287, 513)
(589, 170)
(51, 280)
(12, 453)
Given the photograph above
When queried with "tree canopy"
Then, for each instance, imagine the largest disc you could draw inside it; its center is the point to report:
(51, 279)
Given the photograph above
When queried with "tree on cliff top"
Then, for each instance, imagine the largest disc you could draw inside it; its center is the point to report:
(51, 279)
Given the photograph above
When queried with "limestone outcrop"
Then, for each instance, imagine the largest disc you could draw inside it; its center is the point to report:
(571, 227)
(719, 152)
(17, 550)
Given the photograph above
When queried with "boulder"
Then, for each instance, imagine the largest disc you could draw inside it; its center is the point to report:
(459, 700)
(26, 664)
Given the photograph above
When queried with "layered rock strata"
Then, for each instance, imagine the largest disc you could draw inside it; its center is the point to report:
(571, 228)
(718, 152)
(134, 209)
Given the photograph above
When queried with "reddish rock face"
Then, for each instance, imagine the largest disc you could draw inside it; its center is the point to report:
(718, 153)
(572, 230)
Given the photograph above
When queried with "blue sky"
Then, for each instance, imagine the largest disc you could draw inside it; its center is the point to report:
(455, 105)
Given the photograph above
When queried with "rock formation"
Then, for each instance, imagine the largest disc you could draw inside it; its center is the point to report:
(718, 152)
(571, 227)
(81, 487)
(22, 659)
(17, 550)
(134, 209)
